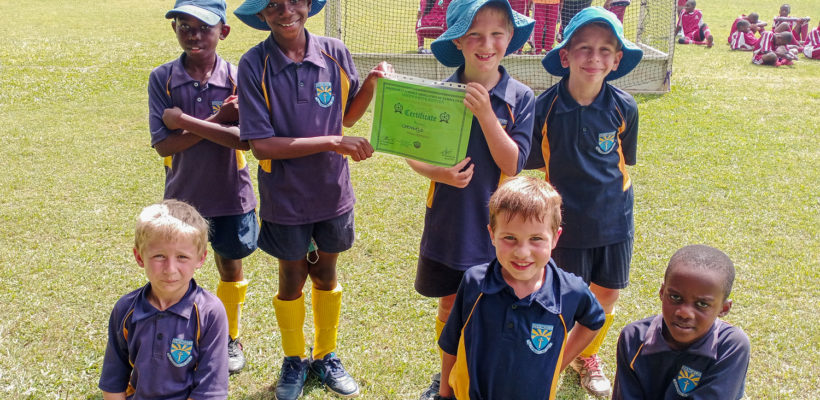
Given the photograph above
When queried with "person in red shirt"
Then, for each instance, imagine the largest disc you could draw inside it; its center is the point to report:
(695, 30)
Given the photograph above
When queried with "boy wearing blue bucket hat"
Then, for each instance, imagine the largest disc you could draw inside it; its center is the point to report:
(585, 134)
(296, 92)
(479, 34)
(192, 118)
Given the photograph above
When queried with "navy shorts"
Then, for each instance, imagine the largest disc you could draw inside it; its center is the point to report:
(290, 242)
(606, 266)
(435, 279)
(234, 236)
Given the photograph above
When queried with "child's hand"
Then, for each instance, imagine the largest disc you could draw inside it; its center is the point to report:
(457, 175)
(170, 117)
(377, 72)
(477, 100)
(229, 111)
(356, 147)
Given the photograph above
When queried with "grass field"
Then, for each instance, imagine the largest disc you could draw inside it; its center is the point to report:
(727, 158)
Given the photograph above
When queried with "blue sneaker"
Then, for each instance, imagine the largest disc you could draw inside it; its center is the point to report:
(431, 392)
(332, 374)
(292, 378)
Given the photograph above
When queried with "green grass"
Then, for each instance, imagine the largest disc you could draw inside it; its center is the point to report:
(728, 158)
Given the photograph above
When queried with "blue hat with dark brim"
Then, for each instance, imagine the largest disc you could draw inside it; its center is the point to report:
(249, 8)
(211, 12)
(460, 15)
(632, 53)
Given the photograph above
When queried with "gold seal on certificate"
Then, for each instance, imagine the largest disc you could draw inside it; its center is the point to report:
(422, 120)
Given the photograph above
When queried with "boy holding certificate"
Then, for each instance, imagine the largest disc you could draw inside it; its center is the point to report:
(480, 33)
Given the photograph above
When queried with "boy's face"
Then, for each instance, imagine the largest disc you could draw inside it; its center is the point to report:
(523, 248)
(753, 18)
(169, 265)
(689, 6)
(286, 18)
(743, 28)
(592, 54)
(197, 38)
(691, 300)
(485, 43)
(784, 10)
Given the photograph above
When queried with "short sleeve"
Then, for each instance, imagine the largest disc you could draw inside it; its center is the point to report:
(116, 369)
(254, 115)
(521, 131)
(448, 341)
(158, 102)
(626, 386)
(589, 312)
(211, 374)
(629, 137)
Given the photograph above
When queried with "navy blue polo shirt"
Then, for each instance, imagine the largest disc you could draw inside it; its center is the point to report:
(714, 367)
(282, 98)
(178, 353)
(508, 342)
(455, 223)
(586, 154)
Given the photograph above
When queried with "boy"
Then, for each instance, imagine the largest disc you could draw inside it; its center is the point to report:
(742, 38)
(695, 31)
(296, 91)
(686, 352)
(798, 26)
(617, 7)
(192, 118)
(771, 49)
(168, 339)
(480, 34)
(545, 13)
(506, 336)
(755, 25)
(585, 134)
(812, 45)
(430, 21)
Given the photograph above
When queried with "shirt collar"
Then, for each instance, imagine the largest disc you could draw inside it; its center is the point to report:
(183, 308)
(704, 347)
(503, 89)
(279, 61)
(219, 75)
(566, 103)
(545, 296)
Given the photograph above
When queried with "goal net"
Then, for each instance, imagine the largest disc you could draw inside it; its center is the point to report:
(400, 32)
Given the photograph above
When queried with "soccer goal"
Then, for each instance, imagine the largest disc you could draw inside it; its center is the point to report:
(400, 32)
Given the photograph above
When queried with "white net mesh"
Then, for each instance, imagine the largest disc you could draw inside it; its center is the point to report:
(400, 32)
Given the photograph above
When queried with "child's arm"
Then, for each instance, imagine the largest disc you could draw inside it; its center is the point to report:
(210, 128)
(113, 396)
(503, 149)
(447, 362)
(626, 386)
(359, 104)
(280, 148)
(456, 176)
(582, 336)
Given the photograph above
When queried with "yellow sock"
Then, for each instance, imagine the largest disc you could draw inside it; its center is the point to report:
(595, 345)
(327, 304)
(439, 328)
(232, 295)
(290, 315)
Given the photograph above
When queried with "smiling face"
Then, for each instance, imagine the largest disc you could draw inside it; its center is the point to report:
(689, 6)
(523, 248)
(691, 298)
(485, 43)
(591, 55)
(286, 19)
(169, 266)
(785, 9)
(198, 39)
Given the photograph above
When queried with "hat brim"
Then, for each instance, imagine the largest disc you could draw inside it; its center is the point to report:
(247, 11)
(448, 54)
(632, 53)
(203, 15)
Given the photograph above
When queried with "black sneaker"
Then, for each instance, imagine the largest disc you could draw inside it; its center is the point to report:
(291, 378)
(236, 358)
(332, 374)
(431, 392)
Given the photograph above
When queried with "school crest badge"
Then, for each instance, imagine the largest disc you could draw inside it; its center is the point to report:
(540, 336)
(687, 380)
(606, 142)
(180, 353)
(215, 106)
(324, 94)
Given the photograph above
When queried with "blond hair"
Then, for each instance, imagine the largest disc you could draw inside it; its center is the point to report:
(528, 198)
(171, 220)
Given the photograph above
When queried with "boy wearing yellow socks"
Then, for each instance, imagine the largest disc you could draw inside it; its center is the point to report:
(193, 117)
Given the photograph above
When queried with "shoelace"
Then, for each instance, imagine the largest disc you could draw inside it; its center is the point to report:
(233, 348)
(334, 366)
(291, 370)
(592, 365)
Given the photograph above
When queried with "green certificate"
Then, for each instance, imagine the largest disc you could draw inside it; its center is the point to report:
(424, 122)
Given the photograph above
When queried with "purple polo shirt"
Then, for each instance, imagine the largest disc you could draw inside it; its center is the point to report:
(162, 357)
(455, 225)
(714, 367)
(207, 175)
(306, 99)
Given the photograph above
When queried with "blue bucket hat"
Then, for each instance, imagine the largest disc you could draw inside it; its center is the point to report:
(249, 8)
(632, 53)
(460, 15)
(207, 11)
